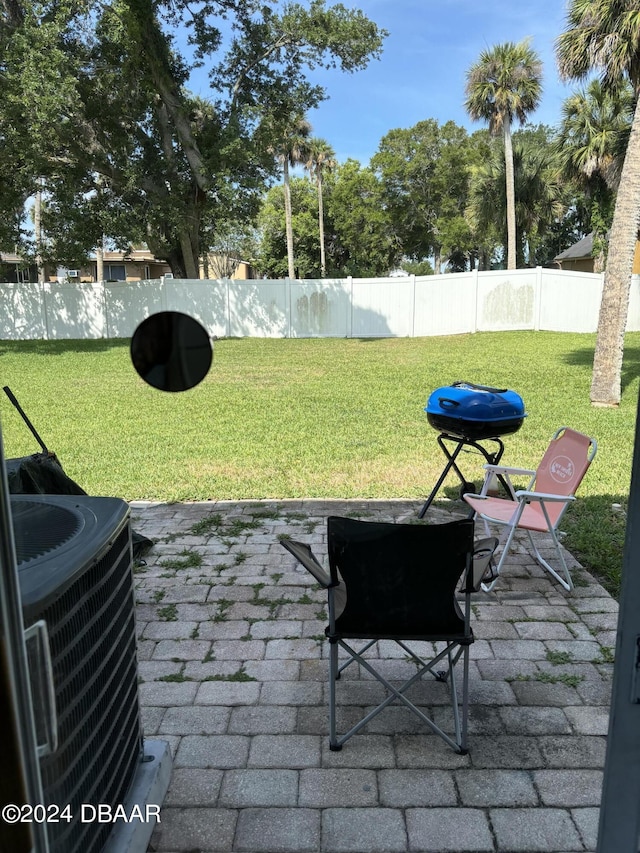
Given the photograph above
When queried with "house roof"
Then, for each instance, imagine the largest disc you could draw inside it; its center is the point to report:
(582, 249)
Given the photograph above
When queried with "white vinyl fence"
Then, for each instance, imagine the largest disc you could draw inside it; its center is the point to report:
(456, 303)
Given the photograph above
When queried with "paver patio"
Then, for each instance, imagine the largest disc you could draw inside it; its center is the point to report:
(233, 671)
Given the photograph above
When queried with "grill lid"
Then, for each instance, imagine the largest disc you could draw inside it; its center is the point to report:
(465, 401)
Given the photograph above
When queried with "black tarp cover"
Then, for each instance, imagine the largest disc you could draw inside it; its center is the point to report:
(42, 474)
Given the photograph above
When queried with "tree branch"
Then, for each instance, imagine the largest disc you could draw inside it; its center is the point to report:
(280, 42)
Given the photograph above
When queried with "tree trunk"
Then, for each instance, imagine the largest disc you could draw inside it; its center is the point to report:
(37, 230)
(190, 261)
(612, 322)
(288, 220)
(511, 196)
(323, 259)
(100, 263)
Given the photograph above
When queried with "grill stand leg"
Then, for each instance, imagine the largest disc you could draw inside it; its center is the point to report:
(491, 458)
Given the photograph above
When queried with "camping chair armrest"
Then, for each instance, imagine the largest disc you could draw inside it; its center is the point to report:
(504, 473)
(483, 551)
(541, 497)
(507, 469)
(304, 555)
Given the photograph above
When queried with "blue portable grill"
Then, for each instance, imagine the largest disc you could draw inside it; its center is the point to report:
(467, 414)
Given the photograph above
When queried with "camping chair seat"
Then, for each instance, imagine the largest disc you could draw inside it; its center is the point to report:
(539, 507)
(398, 582)
(532, 517)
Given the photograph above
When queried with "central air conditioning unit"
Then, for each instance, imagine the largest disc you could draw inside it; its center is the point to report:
(76, 574)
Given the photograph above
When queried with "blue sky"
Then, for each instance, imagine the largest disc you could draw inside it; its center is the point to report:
(422, 71)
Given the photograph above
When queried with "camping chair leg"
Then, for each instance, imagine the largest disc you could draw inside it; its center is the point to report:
(418, 660)
(347, 663)
(454, 702)
(487, 587)
(336, 743)
(334, 674)
(460, 721)
(566, 581)
(465, 701)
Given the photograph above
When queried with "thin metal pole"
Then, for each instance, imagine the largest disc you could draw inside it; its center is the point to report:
(620, 808)
(16, 654)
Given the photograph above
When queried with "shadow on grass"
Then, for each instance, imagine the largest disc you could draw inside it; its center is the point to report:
(595, 528)
(61, 347)
(630, 365)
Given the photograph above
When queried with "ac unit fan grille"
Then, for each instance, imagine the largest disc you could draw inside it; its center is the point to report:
(39, 528)
(93, 649)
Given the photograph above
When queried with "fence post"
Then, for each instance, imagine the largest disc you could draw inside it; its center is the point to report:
(43, 308)
(413, 318)
(287, 301)
(163, 293)
(105, 311)
(537, 300)
(476, 283)
(350, 285)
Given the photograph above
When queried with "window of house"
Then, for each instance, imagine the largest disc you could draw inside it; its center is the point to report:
(115, 272)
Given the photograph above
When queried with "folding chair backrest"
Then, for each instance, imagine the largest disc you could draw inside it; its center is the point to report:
(565, 462)
(563, 467)
(400, 579)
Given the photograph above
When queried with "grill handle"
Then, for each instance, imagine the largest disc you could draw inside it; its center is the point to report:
(447, 403)
(474, 387)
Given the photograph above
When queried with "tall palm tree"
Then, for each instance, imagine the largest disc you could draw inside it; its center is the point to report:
(291, 150)
(591, 142)
(605, 35)
(595, 129)
(539, 195)
(505, 84)
(321, 158)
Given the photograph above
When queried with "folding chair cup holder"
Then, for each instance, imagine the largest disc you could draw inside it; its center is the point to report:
(405, 583)
(540, 506)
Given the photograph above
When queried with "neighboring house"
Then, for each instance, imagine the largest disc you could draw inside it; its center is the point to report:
(134, 265)
(14, 268)
(579, 257)
(217, 265)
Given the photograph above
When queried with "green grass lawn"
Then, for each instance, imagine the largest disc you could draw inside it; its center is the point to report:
(317, 418)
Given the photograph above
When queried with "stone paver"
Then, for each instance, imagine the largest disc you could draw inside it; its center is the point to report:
(234, 676)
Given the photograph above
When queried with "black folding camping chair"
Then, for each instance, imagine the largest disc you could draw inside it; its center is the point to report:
(398, 582)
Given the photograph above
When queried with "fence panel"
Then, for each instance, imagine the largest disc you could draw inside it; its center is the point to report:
(21, 312)
(382, 308)
(207, 301)
(320, 308)
(445, 304)
(554, 300)
(570, 301)
(75, 311)
(258, 309)
(506, 300)
(633, 319)
(127, 303)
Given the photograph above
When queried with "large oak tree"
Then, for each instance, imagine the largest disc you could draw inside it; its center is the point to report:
(96, 104)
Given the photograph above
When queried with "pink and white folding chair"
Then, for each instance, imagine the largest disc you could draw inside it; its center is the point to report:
(540, 506)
